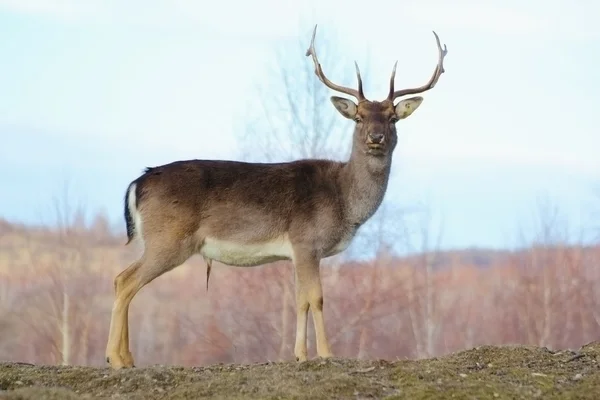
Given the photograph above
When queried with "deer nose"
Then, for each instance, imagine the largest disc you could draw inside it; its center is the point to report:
(376, 138)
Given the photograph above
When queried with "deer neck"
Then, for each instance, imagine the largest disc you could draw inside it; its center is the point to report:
(364, 182)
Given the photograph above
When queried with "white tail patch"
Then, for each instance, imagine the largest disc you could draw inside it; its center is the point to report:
(135, 214)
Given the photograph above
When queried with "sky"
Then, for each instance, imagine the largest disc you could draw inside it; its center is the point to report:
(91, 92)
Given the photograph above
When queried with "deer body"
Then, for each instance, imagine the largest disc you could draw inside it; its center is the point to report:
(320, 204)
(249, 214)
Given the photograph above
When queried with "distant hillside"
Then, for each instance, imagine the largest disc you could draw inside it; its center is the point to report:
(56, 294)
(100, 234)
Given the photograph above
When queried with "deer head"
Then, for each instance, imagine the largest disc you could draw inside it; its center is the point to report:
(375, 129)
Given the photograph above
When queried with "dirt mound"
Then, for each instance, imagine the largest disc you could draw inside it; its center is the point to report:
(484, 372)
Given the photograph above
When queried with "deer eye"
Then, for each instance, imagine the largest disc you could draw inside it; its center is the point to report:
(393, 120)
(358, 119)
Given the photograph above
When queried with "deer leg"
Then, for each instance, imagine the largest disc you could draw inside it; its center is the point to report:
(302, 306)
(316, 305)
(115, 345)
(127, 284)
(309, 295)
(125, 353)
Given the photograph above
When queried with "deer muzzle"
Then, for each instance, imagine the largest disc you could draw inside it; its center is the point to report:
(375, 138)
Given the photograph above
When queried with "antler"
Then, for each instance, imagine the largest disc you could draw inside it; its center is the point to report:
(439, 70)
(319, 72)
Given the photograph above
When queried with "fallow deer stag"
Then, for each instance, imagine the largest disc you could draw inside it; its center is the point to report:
(249, 214)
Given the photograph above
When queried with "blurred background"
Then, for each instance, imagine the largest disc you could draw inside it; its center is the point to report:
(488, 233)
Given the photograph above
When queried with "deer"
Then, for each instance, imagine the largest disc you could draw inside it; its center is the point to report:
(247, 214)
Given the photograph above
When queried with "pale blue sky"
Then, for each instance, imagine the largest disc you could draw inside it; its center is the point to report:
(93, 91)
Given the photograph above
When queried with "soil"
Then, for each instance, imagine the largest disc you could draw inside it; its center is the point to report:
(487, 372)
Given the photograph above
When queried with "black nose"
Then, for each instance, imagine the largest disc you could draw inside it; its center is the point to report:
(376, 137)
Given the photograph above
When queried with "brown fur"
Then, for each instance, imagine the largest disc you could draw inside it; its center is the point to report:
(254, 213)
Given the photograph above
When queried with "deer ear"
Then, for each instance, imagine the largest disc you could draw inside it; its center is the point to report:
(346, 107)
(407, 106)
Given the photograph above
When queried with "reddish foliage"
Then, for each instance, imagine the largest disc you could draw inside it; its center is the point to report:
(56, 294)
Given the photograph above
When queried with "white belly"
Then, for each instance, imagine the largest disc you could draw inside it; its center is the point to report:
(247, 254)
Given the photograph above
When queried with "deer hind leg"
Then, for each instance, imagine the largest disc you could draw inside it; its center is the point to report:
(309, 295)
(123, 289)
(127, 284)
(124, 351)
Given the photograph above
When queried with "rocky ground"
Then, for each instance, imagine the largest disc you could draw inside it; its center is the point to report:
(488, 372)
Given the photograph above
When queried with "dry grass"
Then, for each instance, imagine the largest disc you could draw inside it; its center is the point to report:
(507, 372)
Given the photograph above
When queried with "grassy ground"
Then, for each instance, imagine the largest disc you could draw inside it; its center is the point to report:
(488, 372)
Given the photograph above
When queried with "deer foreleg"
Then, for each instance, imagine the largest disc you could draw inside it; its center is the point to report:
(309, 295)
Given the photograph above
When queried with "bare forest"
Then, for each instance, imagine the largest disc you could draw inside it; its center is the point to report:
(56, 295)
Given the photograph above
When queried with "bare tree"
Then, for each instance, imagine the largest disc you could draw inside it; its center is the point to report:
(58, 308)
(425, 304)
(291, 114)
(545, 286)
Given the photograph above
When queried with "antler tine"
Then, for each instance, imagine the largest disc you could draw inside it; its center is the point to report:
(360, 85)
(391, 94)
(439, 70)
(319, 72)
